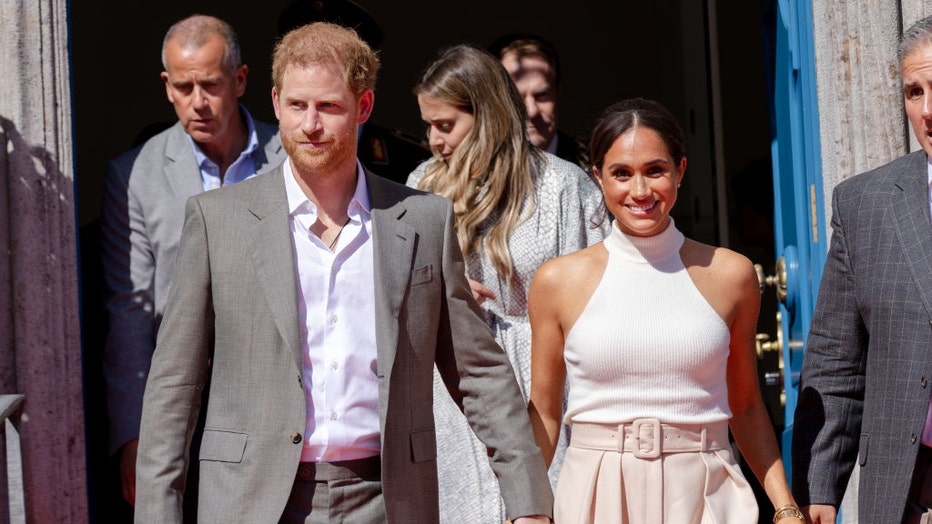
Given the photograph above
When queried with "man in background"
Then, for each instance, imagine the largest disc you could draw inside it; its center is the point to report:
(534, 66)
(214, 143)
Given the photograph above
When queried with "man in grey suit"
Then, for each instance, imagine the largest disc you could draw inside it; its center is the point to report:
(215, 142)
(318, 298)
(864, 390)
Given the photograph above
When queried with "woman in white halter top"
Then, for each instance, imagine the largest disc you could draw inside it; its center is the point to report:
(653, 334)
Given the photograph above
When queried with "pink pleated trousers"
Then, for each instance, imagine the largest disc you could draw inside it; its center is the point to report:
(645, 472)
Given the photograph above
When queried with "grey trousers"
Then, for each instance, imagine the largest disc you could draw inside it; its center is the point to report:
(336, 492)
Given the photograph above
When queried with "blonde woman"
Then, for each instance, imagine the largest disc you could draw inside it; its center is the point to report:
(515, 208)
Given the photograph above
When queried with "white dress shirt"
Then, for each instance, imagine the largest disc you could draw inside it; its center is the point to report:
(336, 309)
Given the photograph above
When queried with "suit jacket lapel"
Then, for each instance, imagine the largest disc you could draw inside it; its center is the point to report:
(393, 250)
(910, 207)
(183, 173)
(270, 155)
(181, 169)
(273, 255)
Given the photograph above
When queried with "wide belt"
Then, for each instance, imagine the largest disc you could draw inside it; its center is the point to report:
(649, 438)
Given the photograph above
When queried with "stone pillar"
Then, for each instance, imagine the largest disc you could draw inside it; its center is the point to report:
(860, 108)
(40, 350)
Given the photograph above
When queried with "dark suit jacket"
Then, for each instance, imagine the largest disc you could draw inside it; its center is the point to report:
(141, 220)
(864, 390)
(234, 300)
(573, 150)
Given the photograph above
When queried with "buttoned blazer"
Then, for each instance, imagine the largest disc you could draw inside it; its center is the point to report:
(234, 302)
(141, 221)
(864, 390)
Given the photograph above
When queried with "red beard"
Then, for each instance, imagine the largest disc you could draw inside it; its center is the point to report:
(324, 158)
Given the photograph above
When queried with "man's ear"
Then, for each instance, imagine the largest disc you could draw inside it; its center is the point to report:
(240, 78)
(366, 103)
(168, 87)
(275, 103)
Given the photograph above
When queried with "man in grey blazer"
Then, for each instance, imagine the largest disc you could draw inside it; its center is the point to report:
(318, 298)
(864, 390)
(215, 142)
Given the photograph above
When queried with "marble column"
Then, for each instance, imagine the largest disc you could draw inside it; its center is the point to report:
(40, 350)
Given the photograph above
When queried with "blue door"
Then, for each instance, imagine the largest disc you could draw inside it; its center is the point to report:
(800, 232)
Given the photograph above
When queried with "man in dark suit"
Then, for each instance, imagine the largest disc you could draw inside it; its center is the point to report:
(215, 142)
(318, 299)
(864, 390)
(534, 66)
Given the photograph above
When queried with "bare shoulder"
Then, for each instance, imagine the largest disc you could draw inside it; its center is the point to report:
(720, 262)
(725, 278)
(569, 271)
(562, 286)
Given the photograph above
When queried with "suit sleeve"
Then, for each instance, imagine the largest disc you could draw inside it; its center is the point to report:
(479, 376)
(829, 410)
(129, 272)
(176, 379)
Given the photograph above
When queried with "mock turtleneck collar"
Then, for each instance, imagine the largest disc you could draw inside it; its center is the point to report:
(649, 250)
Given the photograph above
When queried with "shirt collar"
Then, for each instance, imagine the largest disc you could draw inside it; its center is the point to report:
(252, 142)
(358, 205)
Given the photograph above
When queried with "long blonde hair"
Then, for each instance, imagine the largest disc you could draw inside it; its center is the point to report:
(489, 176)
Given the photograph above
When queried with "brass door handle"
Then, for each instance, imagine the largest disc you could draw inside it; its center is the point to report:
(777, 280)
(764, 344)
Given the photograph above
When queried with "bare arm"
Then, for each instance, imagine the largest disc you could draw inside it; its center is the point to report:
(750, 423)
(548, 370)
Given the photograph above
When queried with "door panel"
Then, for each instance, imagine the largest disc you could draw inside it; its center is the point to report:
(797, 181)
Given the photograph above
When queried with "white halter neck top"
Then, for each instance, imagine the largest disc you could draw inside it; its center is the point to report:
(647, 344)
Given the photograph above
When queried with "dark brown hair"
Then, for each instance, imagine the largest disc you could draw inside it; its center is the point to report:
(619, 117)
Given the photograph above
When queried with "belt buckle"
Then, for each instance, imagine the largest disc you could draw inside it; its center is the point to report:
(647, 431)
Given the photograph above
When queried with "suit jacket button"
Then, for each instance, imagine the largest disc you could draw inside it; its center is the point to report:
(913, 438)
(923, 382)
(295, 438)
